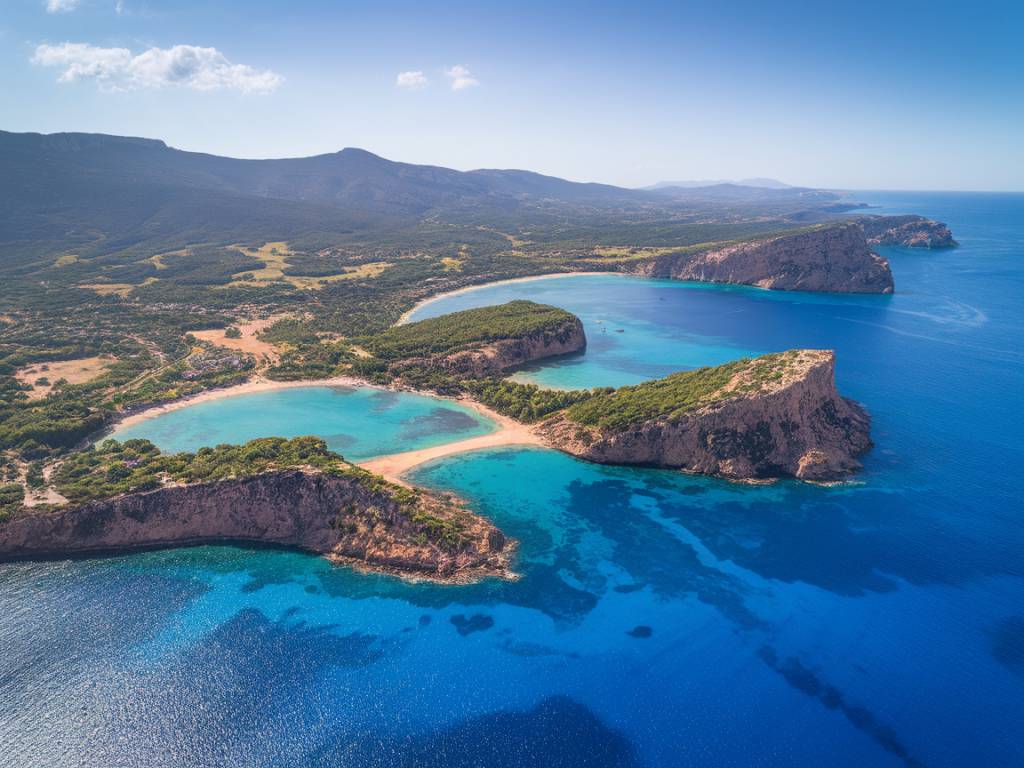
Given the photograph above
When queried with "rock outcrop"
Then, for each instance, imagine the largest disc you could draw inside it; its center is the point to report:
(774, 416)
(352, 518)
(508, 354)
(833, 258)
(909, 231)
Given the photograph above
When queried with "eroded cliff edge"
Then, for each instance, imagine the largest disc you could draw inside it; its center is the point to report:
(833, 258)
(776, 415)
(335, 510)
(486, 341)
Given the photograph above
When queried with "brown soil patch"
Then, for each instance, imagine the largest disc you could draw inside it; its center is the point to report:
(75, 371)
(249, 342)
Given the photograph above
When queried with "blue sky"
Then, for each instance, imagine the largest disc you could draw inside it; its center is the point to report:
(855, 95)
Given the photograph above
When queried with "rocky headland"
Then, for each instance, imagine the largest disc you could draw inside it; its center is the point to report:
(336, 510)
(503, 355)
(834, 258)
(772, 416)
(908, 231)
(486, 341)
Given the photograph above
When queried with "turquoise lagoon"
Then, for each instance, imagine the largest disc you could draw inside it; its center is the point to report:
(661, 620)
(357, 422)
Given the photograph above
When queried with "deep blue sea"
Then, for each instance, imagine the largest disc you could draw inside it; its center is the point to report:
(661, 619)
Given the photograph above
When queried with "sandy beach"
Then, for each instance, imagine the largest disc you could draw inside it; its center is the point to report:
(391, 466)
(509, 432)
(256, 384)
(470, 288)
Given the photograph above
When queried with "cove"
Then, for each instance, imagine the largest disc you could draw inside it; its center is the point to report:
(357, 422)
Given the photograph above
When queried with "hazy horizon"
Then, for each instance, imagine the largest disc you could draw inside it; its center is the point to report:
(853, 97)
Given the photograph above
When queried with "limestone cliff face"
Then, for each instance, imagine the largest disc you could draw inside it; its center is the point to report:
(795, 426)
(909, 231)
(835, 258)
(506, 354)
(344, 518)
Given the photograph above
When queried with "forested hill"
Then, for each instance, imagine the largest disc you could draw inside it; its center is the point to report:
(105, 193)
(351, 178)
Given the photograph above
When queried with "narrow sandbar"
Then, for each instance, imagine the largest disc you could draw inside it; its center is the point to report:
(509, 432)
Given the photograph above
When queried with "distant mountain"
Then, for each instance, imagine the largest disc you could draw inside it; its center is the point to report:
(352, 178)
(95, 194)
(756, 182)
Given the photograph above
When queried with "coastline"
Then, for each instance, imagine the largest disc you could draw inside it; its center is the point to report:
(392, 466)
(259, 383)
(256, 384)
(395, 465)
(470, 288)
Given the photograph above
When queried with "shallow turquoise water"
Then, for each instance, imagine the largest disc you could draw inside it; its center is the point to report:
(357, 422)
(624, 346)
(661, 620)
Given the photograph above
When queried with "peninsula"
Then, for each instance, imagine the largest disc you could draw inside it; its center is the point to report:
(765, 417)
(291, 493)
(833, 258)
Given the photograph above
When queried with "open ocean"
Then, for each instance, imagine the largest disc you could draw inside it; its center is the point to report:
(661, 619)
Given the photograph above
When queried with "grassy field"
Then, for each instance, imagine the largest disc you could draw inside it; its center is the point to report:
(275, 258)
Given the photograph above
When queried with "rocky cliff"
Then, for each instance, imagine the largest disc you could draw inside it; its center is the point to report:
(909, 231)
(832, 258)
(352, 518)
(507, 354)
(779, 415)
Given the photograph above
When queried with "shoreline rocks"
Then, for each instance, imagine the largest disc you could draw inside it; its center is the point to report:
(506, 354)
(355, 519)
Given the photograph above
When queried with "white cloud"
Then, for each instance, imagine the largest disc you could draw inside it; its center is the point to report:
(61, 6)
(119, 8)
(189, 66)
(460, 77)
(412, 80)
